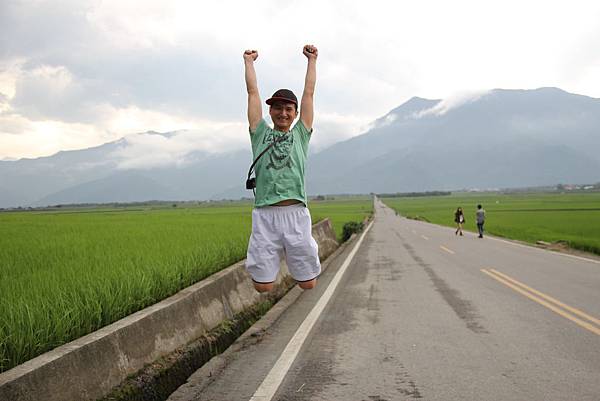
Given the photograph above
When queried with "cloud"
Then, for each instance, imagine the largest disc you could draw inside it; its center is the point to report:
(580, 69)
(48, 92)
(111, 66)
(452, 102)
(13, 124)
(150, 150)
(330, 128)
(9, 71)
(120, 54)
(25, 138)
(20, 136)
(388, 119)
(178, 59)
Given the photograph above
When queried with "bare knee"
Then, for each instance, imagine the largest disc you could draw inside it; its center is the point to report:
(307, 285)
(263, 287)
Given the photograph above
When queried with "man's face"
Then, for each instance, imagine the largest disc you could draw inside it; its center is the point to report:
(283, 115)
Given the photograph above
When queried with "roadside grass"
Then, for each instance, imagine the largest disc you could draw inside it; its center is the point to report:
(571, 217)
(64, 274)
(341, 211)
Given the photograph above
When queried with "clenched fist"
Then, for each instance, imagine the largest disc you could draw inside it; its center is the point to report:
(250, 55)
(310, 51)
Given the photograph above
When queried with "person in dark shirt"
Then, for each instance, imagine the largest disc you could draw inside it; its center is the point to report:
(459, 219)
(480, 216)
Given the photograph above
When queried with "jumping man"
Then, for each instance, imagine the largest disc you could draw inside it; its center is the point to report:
(281, 222)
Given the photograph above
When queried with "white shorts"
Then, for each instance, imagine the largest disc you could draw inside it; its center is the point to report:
(279, 231)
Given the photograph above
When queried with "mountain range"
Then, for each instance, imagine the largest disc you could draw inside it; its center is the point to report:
(497, 139)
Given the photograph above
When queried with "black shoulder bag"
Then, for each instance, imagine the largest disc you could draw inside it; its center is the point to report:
(251, 181)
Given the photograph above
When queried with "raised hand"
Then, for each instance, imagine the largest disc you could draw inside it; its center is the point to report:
(306, 104)
(310, 51)
(254, 106)
(250, 55)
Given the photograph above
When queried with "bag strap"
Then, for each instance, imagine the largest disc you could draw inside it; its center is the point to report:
(281, 138)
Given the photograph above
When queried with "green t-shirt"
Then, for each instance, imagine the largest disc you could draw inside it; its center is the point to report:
(280, 171)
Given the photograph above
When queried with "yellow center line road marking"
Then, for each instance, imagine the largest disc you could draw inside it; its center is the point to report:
(266, 390)
(549, 298)
(447, 250)
(509, 283)
(424, 237)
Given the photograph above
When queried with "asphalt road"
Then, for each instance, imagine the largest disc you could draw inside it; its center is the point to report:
(420, 313)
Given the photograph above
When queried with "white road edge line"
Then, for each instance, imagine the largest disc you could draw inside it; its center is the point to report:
(523, 246)
(271, 383)
(554, 253)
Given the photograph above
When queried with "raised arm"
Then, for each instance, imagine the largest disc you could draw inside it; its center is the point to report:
(254, 106)
(306, 104)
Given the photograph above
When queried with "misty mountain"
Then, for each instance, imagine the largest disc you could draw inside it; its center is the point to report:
(101, 174)
(28, 180)
(502, 138)
(125, 187)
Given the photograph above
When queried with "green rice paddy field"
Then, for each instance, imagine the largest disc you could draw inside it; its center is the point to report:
(64, 274)
(571, 217)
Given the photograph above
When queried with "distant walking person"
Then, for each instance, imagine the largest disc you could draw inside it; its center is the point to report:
(480, 215)
(459, 219)
(281, 222)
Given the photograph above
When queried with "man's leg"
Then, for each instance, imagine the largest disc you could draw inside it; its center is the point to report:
(301, 250)
(308, 285)
(263, 287)
(265, 251)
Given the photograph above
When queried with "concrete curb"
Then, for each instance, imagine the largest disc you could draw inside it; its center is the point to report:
(89, 367)
(204, 376)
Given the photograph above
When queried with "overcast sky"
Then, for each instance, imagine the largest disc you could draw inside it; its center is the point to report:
(76, 74)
